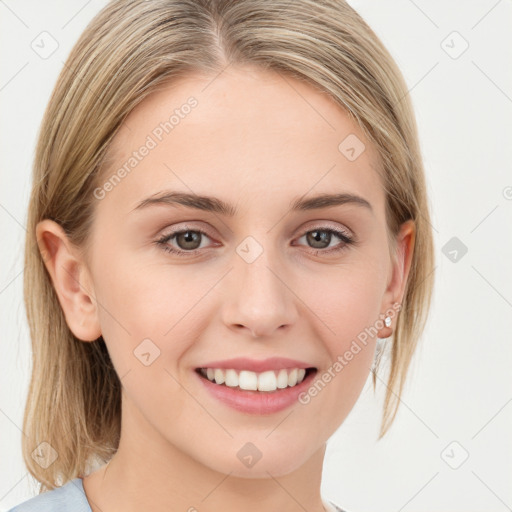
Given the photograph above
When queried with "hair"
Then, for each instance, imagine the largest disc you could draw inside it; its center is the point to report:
(130, 49)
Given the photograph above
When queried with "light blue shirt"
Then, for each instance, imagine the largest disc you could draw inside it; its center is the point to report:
(71, 498)
(68, 498)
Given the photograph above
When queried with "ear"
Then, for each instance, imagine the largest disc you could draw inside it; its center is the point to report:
(71, 280)
(401, 264)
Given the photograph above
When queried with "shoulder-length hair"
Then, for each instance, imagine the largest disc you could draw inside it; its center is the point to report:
(130, 49)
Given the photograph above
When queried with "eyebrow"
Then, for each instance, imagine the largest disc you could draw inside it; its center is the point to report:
(216, 205)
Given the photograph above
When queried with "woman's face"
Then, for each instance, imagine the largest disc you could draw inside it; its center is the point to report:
(257, 280)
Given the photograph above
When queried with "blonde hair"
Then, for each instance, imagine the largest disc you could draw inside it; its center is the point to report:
(129, 50)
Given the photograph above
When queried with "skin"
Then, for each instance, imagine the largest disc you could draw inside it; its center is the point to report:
(258, 141)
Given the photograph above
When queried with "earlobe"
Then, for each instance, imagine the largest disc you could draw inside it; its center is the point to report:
(69, 275)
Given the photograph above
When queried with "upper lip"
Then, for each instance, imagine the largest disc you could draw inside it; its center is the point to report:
(258, 366)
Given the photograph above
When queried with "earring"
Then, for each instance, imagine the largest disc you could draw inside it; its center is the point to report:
(386, 330)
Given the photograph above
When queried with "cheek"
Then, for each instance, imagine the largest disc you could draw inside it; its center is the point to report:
(152, 302)
(347, 302)
(345, 310)
(145, 323)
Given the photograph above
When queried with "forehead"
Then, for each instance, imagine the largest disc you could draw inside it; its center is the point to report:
(245, 133)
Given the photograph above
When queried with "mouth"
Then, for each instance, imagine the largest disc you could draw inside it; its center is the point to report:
(267, 382)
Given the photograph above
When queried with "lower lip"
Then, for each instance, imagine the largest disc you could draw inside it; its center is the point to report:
(257, 402)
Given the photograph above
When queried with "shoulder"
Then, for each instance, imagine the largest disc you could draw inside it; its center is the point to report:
(69, 497)
(332, 507)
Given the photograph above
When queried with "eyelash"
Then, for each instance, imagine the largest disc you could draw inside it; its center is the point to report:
(346, 239)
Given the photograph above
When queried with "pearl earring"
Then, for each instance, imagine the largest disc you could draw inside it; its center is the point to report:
(387, 321)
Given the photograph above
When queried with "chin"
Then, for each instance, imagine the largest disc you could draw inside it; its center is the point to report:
(249, 462)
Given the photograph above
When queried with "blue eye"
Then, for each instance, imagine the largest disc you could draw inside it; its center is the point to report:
(190, 237)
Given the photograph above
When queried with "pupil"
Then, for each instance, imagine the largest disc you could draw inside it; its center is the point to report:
(317, 236)
(189, 237)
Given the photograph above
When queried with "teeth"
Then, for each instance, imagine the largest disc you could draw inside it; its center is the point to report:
(265, 381)
(231, 378)
(219, 376)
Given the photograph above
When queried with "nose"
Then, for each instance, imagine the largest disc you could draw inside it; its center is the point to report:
(259, 299)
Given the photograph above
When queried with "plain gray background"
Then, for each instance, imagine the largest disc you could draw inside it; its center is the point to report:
(450, 448)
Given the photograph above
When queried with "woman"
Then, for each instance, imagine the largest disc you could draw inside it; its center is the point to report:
(228, 213)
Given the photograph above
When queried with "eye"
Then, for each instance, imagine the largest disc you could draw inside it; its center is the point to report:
(321, 238)
(189, 240)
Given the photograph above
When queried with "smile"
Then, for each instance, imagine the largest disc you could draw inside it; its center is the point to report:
(271, 399)
(267, 381)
